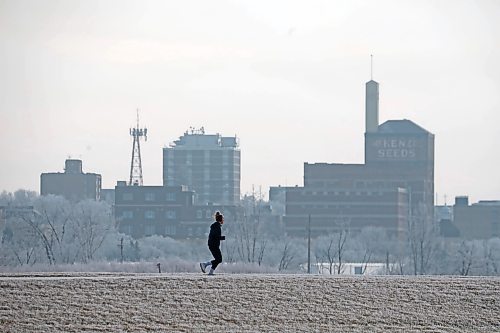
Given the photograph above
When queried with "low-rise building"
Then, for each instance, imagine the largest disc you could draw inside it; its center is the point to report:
(477, 221)
(72, 184)
(163, 210)
(108, 195)
(333, 209)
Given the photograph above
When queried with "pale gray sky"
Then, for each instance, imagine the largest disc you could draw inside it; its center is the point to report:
(286, 76)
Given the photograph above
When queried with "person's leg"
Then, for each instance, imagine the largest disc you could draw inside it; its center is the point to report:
(204, 265)
(217, 257)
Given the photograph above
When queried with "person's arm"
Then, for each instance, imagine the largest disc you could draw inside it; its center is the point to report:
(219, 233)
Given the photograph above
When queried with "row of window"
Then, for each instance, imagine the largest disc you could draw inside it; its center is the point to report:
(170, 230)
(149, 214)
(169, 214)
(360, 205)
(150, 230)
(346, 193)
(149, 196)
(357, 184)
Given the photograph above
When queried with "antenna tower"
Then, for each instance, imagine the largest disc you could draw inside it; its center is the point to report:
(136, 164)
(371, 66)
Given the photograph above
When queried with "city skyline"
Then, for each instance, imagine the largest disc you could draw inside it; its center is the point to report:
(286, 78)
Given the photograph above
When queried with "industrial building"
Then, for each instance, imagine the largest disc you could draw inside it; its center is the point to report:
(72, 184)
(209, 165)
(395, 184)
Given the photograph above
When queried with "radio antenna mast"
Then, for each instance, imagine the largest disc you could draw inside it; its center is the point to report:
(136, 164)
(371, 66)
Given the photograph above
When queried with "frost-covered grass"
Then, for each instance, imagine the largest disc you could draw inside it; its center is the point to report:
(192, 302)
(167, 266)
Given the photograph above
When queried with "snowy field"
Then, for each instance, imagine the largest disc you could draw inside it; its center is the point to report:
(92, 302)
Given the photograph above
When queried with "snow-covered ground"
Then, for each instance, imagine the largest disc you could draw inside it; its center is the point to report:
(71, 302)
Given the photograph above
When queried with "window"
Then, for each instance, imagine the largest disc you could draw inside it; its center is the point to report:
(149, 214)
(171, 214)
(199, 214)
(149, 230)
(358, 270)
(150, 197)
(170, 196)
(127, 229)
(128, 214)
(127, 196)
(208, 214)
(170, 230)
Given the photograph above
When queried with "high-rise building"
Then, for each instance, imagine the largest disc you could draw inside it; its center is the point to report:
(72, 184)
(209, 165)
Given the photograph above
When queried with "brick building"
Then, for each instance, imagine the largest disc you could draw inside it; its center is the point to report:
(395, 182)
(72, 184)
(163, 210)
(480, 220)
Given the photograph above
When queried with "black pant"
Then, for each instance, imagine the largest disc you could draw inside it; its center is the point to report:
(217, 256)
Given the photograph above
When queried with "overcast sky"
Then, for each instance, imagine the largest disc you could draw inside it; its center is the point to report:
(287, 77)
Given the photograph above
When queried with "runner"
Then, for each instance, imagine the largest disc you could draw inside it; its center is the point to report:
(214, 239)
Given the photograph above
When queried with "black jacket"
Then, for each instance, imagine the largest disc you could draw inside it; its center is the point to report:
(215, 235)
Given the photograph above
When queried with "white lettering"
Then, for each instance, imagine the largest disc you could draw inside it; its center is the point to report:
(396, 154)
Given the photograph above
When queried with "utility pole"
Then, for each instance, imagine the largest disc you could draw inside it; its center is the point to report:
(309, 246)
(121, 250)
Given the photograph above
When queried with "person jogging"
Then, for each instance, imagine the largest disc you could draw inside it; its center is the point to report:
(214, 239)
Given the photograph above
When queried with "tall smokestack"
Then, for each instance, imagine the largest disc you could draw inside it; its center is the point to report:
(371, 118)
(371, 106)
